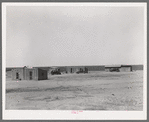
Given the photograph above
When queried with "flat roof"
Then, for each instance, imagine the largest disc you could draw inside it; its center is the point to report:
(126, 66)
(117, 66)
(112, 65)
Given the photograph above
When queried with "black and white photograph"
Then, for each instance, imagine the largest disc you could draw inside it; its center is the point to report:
(74, 60)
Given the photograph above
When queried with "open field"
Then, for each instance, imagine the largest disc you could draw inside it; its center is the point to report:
(92, 91)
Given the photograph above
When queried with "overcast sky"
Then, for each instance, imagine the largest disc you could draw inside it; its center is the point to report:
(74, 35)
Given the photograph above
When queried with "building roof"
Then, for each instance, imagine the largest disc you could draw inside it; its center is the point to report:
(112, 66)
(117, 66)
(126, 66)
(43, 68)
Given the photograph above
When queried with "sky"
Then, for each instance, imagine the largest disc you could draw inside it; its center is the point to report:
(74, 35)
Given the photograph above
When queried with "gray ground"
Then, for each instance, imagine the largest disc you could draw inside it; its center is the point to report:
(92, 91)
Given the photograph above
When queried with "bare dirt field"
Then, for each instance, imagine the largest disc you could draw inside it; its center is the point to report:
(92, 91)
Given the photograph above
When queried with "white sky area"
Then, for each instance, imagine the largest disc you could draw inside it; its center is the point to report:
(74, 35)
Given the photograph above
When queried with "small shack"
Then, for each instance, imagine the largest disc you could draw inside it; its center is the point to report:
(17, 73)
(29, 73)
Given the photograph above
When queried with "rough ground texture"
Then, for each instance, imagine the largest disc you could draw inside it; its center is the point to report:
(92, 91)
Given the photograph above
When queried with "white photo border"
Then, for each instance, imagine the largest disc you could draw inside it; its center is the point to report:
(67, 115)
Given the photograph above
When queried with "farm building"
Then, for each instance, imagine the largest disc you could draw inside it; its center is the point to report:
(42, 73)
(74, 69)
(26, 73)
(118, 68)
(65, 69)
(96, 68)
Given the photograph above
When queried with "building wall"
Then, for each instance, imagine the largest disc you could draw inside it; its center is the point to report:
(42, 74)
(137, 67)
(20, 73)
(74, 69)
(62, 69)
(24, 74)
(77, 68)
(96, 68)
(125, 69)
(8, 74)
(27, 74)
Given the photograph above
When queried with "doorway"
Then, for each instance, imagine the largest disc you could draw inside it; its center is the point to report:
(30, 75)
(71, 70)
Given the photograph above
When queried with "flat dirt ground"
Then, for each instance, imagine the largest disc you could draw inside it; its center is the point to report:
(92, 91)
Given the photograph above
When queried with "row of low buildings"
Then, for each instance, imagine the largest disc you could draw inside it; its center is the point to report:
(118, 68)
(43, 73)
